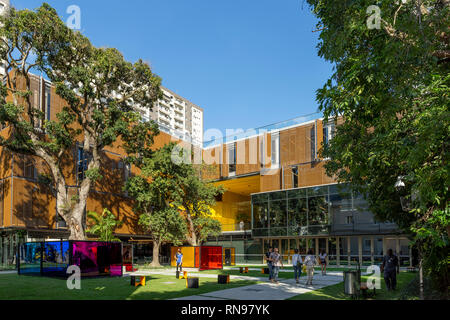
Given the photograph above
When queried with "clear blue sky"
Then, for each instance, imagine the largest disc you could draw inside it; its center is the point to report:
(247, 63)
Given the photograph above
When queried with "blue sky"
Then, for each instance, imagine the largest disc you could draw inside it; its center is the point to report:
(246, 63)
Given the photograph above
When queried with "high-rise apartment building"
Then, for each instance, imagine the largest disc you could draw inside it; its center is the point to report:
(178, 117)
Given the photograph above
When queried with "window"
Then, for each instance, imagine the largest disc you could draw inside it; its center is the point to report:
(82, 164)
(295, 177)
(275, 149)
(232, 160)
(328, 133)
(349, 219)
(29, 169)
(262, 151)
(313, 143)
(47, 103)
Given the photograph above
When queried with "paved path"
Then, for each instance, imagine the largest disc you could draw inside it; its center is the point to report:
(287, 288)
(8, 272)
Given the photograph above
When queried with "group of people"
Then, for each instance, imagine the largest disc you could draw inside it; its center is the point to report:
(274, 263)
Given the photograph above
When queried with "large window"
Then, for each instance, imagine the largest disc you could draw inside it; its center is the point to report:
(313, 211)
(275, 149)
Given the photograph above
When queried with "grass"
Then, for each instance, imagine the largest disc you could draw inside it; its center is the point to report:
(336, 292)
(159, 287)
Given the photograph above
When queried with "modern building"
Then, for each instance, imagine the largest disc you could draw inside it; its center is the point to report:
(178, 117)
(279, 195)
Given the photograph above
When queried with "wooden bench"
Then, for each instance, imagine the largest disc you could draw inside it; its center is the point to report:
(243, 270)
(411, 269)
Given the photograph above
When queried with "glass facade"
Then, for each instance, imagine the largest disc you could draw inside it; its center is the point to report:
(313, 211)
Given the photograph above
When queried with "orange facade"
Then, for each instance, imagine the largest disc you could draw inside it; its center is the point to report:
(27, 202)
(255, 171)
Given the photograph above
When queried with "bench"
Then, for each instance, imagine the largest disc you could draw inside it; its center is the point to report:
(243, 270)
(138, 279)
(411, 269)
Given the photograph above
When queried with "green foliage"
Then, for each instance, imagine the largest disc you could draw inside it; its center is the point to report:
(164, 188)
(103, 225)
(101, 90)
(391, 87)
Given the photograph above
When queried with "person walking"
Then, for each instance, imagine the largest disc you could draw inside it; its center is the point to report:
(297, 263)
(276, 264)
(269, 262)
(323, 261)
(179, 259)
(310, 262)
(390, 268)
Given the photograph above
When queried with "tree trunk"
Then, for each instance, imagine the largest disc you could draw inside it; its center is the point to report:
(192, 237)
(155, 260)
(76, 229)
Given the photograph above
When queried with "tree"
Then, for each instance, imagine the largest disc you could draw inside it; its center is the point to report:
(196, 197)
(103, 225)
(391, 88)
(101, 89)
(154, 190)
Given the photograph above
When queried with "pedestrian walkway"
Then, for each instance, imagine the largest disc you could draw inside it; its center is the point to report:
(286, 289)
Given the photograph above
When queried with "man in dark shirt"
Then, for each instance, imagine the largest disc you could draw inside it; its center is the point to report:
(391, 268)
(269, 262)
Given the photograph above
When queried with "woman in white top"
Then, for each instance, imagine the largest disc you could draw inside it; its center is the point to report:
(297, 263)
(310, 262)
(323, 261)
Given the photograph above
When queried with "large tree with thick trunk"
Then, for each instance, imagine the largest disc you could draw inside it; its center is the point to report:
(391, 87)
(100, 88)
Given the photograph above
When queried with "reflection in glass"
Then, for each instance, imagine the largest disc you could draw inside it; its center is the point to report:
(260, 215)
(297, 215)
(317, 211)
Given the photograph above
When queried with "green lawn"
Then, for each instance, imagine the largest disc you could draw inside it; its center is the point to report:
(336, 292)
(159, 287)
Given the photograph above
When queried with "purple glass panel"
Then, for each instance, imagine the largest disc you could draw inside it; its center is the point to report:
(84, 255)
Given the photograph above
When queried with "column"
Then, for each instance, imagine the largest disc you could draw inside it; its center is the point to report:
(384, 246)
(327, 250)
(372, 249)
(360, 251)
(397, 246)
(349, 252)
(307, 245)
(338, 252)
